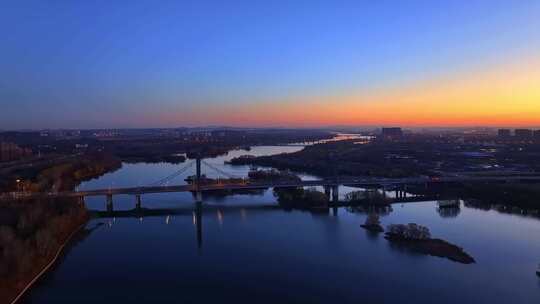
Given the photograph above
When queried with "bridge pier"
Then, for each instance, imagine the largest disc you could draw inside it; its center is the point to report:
(401, 193)
(328, 192)
(109, 204)
(335, 194)
(404, 191)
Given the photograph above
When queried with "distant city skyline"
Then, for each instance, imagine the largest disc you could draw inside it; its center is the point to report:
(146, 64)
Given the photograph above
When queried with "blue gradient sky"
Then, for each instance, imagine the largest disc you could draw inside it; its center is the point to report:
(87, 64)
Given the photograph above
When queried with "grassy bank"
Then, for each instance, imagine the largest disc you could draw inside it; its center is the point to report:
(31, 233)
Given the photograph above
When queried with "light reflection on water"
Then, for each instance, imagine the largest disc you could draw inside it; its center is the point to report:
(245, 249)
(262, 254)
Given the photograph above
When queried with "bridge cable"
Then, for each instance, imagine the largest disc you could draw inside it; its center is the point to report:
(229, 175)
(173, 175)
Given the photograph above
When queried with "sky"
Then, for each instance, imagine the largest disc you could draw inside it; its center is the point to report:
(281, 63)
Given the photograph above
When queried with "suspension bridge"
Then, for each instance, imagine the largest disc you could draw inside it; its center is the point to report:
(200, 183)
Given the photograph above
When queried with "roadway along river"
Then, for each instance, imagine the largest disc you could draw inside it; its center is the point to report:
(245, 252)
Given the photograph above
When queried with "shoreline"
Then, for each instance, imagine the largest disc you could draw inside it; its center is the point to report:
(47, 267)
(433, 247)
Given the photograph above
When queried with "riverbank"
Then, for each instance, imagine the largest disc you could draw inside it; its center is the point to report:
(32, 236)
(338, 157)
(47, 267)
(60, 176)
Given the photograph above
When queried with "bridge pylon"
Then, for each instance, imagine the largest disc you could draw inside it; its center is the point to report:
(335, 194)
(198, 172)
(328, 192)
(198, 193)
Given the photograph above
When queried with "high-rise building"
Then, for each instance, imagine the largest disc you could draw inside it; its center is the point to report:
(536, 134)
(10, 151)
(523, 133)
(505, 133)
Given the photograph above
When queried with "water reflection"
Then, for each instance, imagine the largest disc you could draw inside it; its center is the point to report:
(502, 208)
(322, 253)
(220, 217)
(406, 250)
(372, 236)
(445, 208)
(449, 208)
(448, 212)
(381, 210)
(198, 224)
(269, 242)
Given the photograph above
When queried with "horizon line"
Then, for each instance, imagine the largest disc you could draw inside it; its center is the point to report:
(325, 127)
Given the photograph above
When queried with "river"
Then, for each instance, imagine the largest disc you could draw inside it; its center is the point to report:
(248, 250)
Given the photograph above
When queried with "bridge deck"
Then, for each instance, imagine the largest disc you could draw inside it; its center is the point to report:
(357, 182)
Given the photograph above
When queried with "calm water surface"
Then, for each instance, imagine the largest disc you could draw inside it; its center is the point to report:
(247, 251)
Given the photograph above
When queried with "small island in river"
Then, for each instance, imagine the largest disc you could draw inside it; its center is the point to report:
(418, 239)
(373, 223)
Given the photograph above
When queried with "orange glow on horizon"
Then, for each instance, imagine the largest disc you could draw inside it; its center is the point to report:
(506, 95)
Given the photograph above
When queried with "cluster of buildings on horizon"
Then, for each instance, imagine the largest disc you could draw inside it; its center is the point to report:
(392, 133)
(519, 133)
